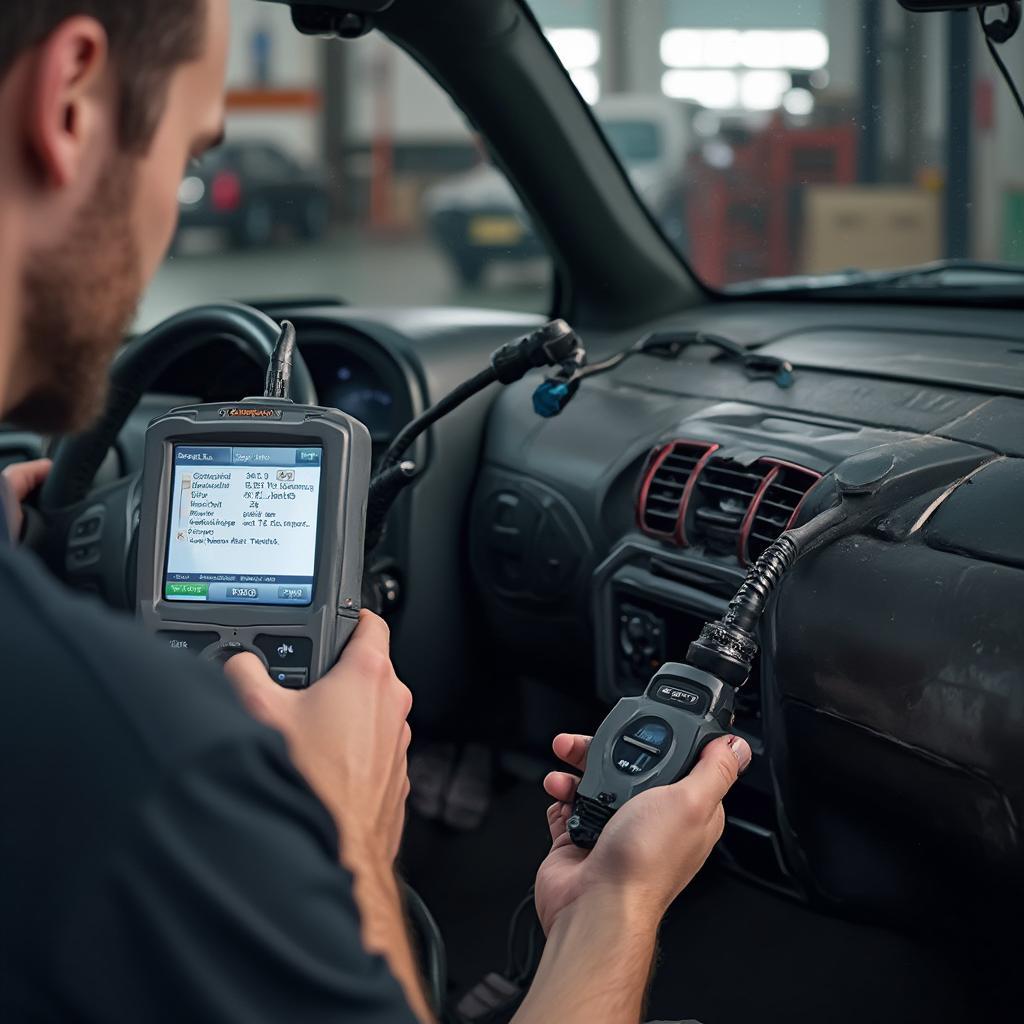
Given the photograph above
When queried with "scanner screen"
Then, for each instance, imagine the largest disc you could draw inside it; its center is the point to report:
(243, 524)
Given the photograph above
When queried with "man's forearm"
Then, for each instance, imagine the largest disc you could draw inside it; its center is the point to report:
(385, 932)
(596, 965)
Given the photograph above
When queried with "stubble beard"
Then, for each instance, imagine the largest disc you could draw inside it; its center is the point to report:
(79, 298)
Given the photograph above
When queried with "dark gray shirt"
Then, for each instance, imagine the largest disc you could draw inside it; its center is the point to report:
(160, 857)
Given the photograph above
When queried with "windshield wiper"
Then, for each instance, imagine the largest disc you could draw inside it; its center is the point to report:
(948, 273)
(958, 273)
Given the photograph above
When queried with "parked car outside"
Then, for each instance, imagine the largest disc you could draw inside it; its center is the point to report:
(252, 190)
(477, 218)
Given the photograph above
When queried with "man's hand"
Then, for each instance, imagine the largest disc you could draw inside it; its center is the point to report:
(601, 908)
(652, 847)
(348, 735)
(22, 479)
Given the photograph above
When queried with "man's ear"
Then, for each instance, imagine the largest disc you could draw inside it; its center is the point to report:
(70, 99)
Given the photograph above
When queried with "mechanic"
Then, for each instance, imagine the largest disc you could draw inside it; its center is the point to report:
(165, 855)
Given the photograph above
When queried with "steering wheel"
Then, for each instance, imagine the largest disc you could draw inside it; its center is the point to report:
(89, 537)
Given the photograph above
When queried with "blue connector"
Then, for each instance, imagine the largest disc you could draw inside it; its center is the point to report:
(551, 397)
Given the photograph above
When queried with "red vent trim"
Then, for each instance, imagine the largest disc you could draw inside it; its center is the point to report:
(775, 470)
(677, 534)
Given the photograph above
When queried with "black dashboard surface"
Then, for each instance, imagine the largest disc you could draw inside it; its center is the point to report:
(889, 711)
(891, 703)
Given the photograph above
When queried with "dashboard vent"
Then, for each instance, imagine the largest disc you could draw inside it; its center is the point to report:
(783, 490)
(666, 486)
(724, 496)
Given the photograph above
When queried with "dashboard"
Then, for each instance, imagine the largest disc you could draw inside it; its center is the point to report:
(571, 556)
(889, 705)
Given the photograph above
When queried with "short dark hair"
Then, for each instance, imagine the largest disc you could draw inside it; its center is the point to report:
(148, 39)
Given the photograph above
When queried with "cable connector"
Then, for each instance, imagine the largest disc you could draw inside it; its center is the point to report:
(550, 345)
(557, 391)
(553, 395)
(278, 383)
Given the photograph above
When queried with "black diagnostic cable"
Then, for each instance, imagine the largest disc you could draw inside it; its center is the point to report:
(728, 646)
(669, 344)
(555, 344)
(495, 998)
(551, 345)
(1000, 30)
(405, 437)
(278, 383)
(519, 969)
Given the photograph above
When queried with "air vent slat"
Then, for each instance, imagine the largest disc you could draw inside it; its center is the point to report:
(777, 507)
(726, 488)
(665, 521)
(781, 505)
(664, 486)
(744, 475)
(708, 485)
(794, 491)
(719, 516)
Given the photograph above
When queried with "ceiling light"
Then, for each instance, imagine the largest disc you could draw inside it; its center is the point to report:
(682, 48)
(806, 49)
(763, 90)
(761, 49)
(722, 48)
(717, 90)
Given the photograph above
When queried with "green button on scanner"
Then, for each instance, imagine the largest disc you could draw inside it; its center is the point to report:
(186, 589)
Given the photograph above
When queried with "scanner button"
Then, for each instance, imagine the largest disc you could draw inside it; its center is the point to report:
(230, 648)
(285, 652)
(186, 640)
(293, 679)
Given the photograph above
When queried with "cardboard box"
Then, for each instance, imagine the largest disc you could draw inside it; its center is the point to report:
(870, 227)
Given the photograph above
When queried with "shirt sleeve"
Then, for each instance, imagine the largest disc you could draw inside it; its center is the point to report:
(223, 900)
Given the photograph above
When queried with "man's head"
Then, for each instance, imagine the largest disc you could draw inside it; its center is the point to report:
(102, 105)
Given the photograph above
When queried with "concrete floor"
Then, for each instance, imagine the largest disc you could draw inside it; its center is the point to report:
(354, 267)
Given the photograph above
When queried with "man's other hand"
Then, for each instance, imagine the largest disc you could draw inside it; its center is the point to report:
(23, 478)
(348, 735)
(651, 848)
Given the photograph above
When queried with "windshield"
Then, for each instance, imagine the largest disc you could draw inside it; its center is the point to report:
(809, 137)
(347, 174)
